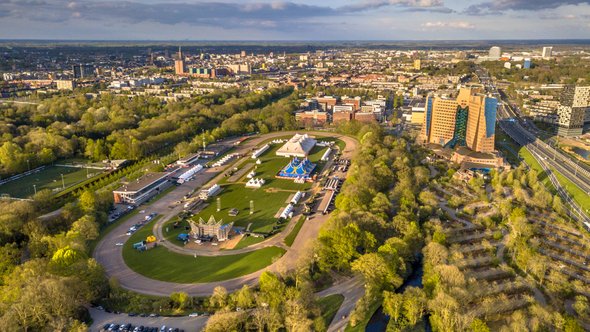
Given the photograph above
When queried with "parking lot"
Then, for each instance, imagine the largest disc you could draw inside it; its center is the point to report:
(187, 324)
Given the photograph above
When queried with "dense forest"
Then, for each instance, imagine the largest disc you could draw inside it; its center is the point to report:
(123, 128)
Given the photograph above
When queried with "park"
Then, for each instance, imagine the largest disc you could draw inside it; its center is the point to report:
(252, 213)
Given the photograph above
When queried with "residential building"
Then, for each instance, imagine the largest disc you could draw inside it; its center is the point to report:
(547, 52)
(65, 84)
(83, 71)
(418, 108)
(241, 68)
(574, 103)
(312, 118)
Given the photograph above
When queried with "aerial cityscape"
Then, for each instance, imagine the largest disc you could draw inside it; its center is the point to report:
(395, 165)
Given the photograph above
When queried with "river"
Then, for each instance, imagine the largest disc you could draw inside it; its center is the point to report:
(379, 320)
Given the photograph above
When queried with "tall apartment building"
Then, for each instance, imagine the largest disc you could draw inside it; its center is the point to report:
(240, 68)
(547, 52)
(574, 103)
(65, 84)
(83, 71)
(469, 121)
(179, 63)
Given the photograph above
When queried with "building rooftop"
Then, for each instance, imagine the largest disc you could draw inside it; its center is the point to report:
(142, 182)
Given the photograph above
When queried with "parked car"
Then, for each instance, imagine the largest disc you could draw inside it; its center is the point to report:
(194, 314)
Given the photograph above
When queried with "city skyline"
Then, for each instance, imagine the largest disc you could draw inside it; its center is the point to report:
(294, 20)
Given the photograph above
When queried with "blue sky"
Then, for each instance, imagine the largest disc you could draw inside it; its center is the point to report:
(294, 19)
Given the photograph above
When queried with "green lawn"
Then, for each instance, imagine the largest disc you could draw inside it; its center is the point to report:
(247, 241)
(266, 205)
(161, 264)
(329, 306)
(289, 239)
(48, 178)
(582, 198)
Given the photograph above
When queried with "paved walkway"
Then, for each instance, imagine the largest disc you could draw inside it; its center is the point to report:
(352, 289)
(110, 256)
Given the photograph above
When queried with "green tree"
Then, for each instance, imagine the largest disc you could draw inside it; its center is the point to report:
(180, 299)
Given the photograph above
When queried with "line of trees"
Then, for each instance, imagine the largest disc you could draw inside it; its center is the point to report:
(123, 128)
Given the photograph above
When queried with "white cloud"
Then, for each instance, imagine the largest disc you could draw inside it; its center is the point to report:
(448, 24)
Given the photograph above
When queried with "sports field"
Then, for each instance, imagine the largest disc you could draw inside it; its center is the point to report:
(48, 178)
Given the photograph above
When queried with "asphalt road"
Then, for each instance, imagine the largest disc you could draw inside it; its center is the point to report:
(110, 256)
(352, 289)
(188, 324)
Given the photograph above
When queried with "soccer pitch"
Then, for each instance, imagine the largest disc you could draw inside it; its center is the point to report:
(48, 178)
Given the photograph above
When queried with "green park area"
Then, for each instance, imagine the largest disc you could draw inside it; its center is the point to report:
(267, 200)
(48, 178)
(161, 264)
(329, 306)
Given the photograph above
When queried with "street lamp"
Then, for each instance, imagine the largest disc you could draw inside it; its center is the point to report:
(63, 183)
(35, 188)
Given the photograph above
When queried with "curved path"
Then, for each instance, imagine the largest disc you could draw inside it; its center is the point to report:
(110, 256)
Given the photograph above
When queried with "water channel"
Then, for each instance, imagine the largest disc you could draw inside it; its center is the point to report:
(379, 320)
(581, 152)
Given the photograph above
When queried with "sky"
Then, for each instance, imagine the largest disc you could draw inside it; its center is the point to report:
(294, 19)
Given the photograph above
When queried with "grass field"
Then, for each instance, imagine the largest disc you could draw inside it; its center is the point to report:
(582, 198)
(161, 264)
(247, 241)
(48, 178)
(329, 306)
(289, 239)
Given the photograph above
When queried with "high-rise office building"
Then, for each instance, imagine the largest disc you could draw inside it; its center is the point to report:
(468, 121)
(83, 71)
(574, 103)
(547, 52)
(179, 63)
(495, 53)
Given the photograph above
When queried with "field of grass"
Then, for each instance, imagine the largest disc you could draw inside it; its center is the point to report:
(582, 198)
(289, 239)
(329, 306)
(161, 264)
(48, 178)
(247, 241)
